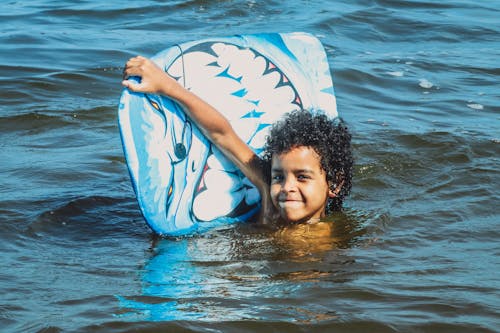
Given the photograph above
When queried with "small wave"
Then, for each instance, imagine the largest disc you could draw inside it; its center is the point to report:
(34, 122)
(396, 73)
(89, 218)
(426, 84)
(475, 106)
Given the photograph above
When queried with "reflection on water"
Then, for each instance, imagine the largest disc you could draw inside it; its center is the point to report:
(214, 276)
(310, 241)
(306, 240)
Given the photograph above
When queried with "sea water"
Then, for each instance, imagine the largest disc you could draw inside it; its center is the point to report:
(415, 250)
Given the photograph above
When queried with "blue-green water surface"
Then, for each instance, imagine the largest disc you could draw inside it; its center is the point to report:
(416, 249)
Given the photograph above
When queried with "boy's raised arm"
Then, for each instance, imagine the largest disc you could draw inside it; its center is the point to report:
(211, 122)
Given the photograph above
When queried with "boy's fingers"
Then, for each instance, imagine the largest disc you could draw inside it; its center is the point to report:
(135, 60)
(127, 84)
(129, 71)
(131, 85)
(133, 66)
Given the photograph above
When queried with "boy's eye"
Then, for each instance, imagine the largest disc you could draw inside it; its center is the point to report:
(276, 178)
(303, 177)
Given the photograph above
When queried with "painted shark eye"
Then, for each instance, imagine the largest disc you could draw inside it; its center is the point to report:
(152, 102)
(155, 105)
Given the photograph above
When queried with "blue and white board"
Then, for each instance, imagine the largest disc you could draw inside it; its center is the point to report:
(182, 182)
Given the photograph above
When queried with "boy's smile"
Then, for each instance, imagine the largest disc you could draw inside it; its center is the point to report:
(299, 190)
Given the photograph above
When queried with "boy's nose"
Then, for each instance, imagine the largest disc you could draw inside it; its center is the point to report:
(288, 184)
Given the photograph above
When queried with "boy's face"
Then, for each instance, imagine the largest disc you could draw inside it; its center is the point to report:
(299, 190)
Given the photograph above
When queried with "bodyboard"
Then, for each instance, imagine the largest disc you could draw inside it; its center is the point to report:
(183, 183)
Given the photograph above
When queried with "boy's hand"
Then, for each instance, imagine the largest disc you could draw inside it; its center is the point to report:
(153, 78)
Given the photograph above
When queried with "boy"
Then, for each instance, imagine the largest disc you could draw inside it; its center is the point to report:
(307, 168)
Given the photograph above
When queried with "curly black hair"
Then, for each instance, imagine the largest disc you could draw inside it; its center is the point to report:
(331, 140)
